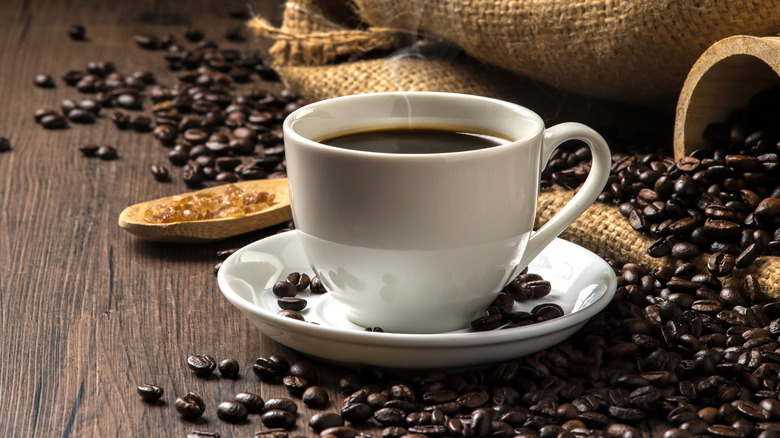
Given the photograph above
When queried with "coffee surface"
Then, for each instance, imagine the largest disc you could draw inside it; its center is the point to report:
(415, 141)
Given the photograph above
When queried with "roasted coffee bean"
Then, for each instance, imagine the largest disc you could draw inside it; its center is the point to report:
(720, 264)
(166, 134)
(194, 34)
(751, 411)
(232, 411)
(202, 434)
(5, 144)
(357, 413)
(106, 152)
(487, 322)
(150, 393)
(160, 173)
(78, 115)
(147, 41)
(190, 406)
(128, 101)
(281, 403)
(77, 32)
(315, 397)
(389, 416)
(339, 432)
(295, 385)
(251, 401)
(292, 314)
(316, 286)
(274, 418)
(202, 364)
(299, 280)
(44, 81)
(747, 257)
(685, 250)
(54, 121)
(546, 312)
(88, 150)
(324, 420)
(304, 370)
(292, 303)
(284, 289)
(229, 368)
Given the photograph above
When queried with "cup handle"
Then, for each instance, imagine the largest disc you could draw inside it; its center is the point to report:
(601, 162)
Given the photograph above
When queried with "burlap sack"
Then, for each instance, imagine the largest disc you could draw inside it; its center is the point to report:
(603, 230)
(636, 51)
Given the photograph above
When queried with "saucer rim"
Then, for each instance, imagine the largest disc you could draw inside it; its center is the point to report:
(460, 338)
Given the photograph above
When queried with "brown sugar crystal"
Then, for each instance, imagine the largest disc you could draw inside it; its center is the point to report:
(230, 202)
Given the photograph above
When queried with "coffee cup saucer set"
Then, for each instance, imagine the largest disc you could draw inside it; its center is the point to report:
(582, 284)
(420, 243)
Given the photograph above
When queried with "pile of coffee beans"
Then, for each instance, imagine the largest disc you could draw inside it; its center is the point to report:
(499, 314)
(217, 125)
(723, 199)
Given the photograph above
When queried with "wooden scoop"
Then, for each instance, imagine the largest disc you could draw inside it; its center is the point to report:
(131, 218)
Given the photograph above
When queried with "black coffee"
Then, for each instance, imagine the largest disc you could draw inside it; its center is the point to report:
(415, 141)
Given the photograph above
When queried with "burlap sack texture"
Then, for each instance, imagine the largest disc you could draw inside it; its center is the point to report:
(604, 231)
(636, 51)
(322, 51)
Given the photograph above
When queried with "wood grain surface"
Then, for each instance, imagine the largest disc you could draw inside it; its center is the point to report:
(88, 311)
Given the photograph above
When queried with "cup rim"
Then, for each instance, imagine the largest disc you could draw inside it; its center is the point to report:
(290, 132)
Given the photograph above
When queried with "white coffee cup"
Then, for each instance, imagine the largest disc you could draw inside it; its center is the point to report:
(422, 243)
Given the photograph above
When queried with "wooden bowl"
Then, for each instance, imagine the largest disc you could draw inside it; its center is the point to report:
(722, 80)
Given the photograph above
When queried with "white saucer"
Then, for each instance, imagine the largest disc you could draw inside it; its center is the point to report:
(582, 284)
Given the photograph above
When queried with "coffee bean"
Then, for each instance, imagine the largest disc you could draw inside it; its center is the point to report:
(5, 144)
(685, 250)
(292, 303)
(300, 281)
(160, 173)
(229, 368)
(77, 32)
(251, 401)
(44, 81)
(202, 364)
(295, 385)
(339, 432)
(325, 420)
(202, 434)
(273, 418)
(54, 121)
(106, 152)
(292, 314)
(284, 289)
(232, 412)
(389, 416)
(747, 257)
(357, 413)
(487, 322)
(147, 41)
(78, 115)
(546, 312)
(315, 397)
(150, 393)
(281, 403)
(190, 406)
